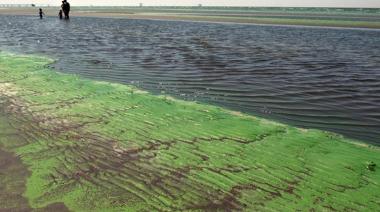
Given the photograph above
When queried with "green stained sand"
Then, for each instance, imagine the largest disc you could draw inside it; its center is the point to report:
(13, 174)
(102, 146)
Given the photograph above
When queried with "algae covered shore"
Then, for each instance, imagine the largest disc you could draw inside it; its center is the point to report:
(83, 145)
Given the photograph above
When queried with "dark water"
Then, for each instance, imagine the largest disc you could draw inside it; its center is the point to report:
(309, 77)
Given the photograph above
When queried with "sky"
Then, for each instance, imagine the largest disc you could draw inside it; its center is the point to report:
(290, 3)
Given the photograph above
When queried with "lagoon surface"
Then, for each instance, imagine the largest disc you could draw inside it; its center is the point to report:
(309, 77)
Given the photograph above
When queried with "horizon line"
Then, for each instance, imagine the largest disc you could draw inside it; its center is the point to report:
(196, 6)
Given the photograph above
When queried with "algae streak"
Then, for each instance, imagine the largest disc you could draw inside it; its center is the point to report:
(101, 146)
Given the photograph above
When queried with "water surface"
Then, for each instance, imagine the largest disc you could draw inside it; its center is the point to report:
(309, 77)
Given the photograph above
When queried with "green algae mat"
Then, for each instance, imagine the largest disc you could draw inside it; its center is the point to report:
(69, 143)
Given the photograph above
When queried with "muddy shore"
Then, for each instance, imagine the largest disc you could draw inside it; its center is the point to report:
(122, 148)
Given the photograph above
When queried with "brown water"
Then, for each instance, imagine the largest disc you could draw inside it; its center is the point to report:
(309, 77)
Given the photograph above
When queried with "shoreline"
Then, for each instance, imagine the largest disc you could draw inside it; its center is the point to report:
(128, 149)
(272, 20)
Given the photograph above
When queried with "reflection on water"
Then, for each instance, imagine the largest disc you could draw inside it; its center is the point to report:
(309, 77)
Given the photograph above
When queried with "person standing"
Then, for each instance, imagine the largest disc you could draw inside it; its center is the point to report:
(41, 13)
(63, 6)
(60, 14)
(66, 9)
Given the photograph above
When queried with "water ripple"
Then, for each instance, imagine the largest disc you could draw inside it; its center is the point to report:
(309, 77)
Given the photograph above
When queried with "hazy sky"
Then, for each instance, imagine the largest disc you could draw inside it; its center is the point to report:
(311, 3)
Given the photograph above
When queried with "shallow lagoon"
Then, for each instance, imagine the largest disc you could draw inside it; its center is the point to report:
(310, 77)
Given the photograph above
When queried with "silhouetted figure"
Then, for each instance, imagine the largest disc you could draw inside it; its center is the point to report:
(60, 14)
(66, 9)
(41, 13)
